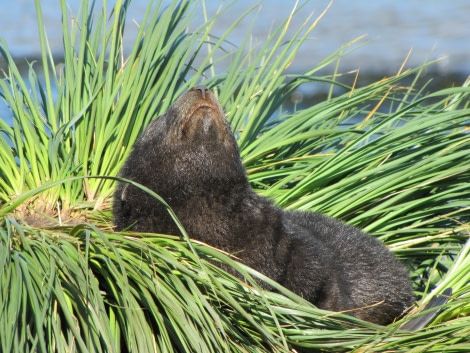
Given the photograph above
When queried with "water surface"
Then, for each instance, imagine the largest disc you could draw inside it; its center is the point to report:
(431, 29)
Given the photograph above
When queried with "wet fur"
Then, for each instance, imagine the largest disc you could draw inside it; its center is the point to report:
(190, 157)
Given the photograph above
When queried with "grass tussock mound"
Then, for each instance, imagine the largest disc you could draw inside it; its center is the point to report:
(390, 158)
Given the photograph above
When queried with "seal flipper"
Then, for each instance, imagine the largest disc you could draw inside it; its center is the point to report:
(423, 320)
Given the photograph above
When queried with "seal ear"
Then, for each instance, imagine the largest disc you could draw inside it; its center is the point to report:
(122, 206)
(124, 193)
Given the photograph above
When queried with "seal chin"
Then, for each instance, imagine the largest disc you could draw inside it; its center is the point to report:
(203, 108)
(205, 118)
(204, 123)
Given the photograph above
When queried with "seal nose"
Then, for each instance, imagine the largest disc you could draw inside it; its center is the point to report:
(202, 89)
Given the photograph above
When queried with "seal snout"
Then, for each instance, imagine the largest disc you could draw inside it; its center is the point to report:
(202, 89)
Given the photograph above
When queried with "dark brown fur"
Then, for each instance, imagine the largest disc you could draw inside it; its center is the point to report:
(189, 156)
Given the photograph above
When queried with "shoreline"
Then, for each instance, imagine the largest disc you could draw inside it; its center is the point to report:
(433, 76)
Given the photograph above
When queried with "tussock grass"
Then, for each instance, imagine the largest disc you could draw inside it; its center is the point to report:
(390, 158)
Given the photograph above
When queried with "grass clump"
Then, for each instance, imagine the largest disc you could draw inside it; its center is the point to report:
(387, 157)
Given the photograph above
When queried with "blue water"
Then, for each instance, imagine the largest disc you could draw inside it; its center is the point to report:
(431, 29)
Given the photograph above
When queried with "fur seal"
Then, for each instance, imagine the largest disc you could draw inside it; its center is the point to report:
(189, 156)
